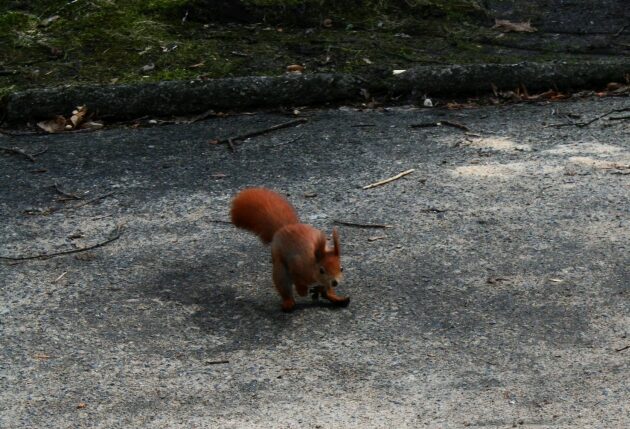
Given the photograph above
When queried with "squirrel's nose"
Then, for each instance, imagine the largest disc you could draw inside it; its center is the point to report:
(335, 283)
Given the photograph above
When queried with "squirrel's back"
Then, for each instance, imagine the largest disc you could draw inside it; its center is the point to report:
(262, 212)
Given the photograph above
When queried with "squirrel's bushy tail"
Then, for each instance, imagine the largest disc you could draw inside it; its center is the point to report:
(262, 212)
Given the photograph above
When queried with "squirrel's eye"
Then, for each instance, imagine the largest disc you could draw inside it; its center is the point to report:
(341, 269)
(321, 270)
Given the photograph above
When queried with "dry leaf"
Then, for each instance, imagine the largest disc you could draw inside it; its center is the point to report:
(295, 68)
(519, 27)
(81, 405)
(91, 125)
(78, 116)
(41, 356)
(147, 67)
(56, 125)
(613, 86)
(46, 22)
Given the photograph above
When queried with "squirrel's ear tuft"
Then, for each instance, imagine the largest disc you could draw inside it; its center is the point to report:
(320, 250)
(335, 236)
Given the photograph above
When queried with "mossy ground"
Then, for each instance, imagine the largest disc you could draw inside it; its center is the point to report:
(44, 43)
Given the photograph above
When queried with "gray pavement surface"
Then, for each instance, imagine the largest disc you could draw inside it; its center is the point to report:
(498, 299)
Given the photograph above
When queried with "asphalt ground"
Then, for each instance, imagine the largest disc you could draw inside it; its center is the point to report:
(498, 298)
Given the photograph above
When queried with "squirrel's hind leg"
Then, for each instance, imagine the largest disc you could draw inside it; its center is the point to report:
(282, 281)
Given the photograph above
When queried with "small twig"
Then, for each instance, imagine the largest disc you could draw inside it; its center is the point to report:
(433, 210)
(68, 195)
(217, 362)
(202, 116)
(424, 125)
(623, 348)
(219, 221)
(65, 252)
(109, 194)
(11, 133)
(597, 118)
(18, 151)
(379, 237)
(391, 179)
(589, 122)
(455, 125)
(289, 141)
(618, 118)
(44, 150)
(439, 124)
(60, 277)
(230, 143)
(621, 30)
(362, 125)
(362, 225)
(230, 140)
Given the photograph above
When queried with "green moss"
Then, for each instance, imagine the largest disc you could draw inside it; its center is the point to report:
(139, 41)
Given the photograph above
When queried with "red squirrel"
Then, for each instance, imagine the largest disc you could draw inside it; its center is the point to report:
(299, 252)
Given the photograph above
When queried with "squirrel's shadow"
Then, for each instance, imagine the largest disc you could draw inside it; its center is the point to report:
(221, 310)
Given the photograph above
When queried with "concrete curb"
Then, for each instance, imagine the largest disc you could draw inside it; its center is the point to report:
(191, 97)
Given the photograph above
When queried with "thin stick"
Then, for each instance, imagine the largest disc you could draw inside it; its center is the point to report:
(362, 225)
(618, 118)
(391, 179)
(439, 124)
(380, 237)
(44, 150)
(623, 348)
(217, 362)
(109, 194)
(259, 132)
(584, 124)
(424, 125)
(60, 277)
(219, 221)
(18, 151)
(65, 252)
(589, 122)
(68, 195)
(455, 125)
(202, 116)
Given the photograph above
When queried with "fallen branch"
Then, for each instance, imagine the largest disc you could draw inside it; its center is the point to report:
(65, 252)
(230, 140)
(391, 179)
(362, 225)
(18, 151)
